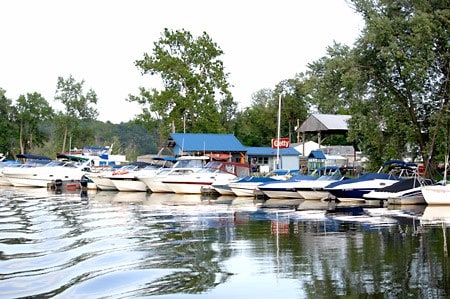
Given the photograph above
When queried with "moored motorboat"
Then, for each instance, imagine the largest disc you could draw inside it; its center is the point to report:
(437, 194)
(399, 188)
(284, 189)
(407, 191)
(34, 176)
(246, 186)
(354, 189)
(4, 163)
(127, 179)
(314, 189)
(410, 197)
(102, 180)
(184, 165)
(219, 172)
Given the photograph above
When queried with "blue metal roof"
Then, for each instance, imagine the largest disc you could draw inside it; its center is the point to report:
(197, 142)
(269, 151)
(317, 154)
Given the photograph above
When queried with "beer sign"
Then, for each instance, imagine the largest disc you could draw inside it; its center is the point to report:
(280, 143)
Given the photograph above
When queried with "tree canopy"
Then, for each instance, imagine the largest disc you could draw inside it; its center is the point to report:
(77, 105)
(195, 96)
(31, 110)
(394, 81)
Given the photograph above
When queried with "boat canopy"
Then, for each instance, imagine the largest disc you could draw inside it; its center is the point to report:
(168, 159)
(31, 156)
(72, 158)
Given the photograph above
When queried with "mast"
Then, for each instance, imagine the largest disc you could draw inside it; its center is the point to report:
(278, 132)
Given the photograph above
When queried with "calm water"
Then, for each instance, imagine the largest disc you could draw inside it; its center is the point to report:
(121, 245)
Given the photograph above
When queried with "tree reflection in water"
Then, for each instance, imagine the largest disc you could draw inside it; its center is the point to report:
(142, 245)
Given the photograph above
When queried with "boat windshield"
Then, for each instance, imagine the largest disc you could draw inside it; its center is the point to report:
(189, 164)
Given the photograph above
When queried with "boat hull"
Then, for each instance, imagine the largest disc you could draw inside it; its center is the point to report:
(129, 185)
(313, 194)
(103, 183)
(437, 194)
(280, 193)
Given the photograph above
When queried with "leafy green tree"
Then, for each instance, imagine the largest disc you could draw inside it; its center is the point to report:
(77, 106)
(333, 81)
(31, 111)
(195, 95)
(404, 53)
(7, 139)
(257, 124)
(394, 81)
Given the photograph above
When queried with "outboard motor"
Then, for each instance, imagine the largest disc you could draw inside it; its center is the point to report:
(84, 181)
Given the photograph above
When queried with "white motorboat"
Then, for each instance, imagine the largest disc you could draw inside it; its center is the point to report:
(246, 186)
(102, 180)
(354, 189)
(284, 189)
(314, 189)
(130, 180)
(437, 194)
(215, 172)
(3, 179)
(184, 165)
(407, 191)
(126, 179)
(35, 176)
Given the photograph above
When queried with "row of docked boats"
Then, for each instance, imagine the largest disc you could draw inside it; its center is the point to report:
(188, 175)
(396, 182)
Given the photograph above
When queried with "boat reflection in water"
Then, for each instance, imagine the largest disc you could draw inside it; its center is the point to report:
(137, 244)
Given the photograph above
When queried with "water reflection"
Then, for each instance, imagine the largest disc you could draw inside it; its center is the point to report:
(135, 244)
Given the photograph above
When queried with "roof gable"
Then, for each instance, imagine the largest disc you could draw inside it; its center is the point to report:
(192, 142)
(325, 122)
(317, 154)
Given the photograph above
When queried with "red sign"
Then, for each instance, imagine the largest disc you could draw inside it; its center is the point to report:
(280, 143)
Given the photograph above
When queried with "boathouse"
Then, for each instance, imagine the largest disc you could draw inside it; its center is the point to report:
(217, 146)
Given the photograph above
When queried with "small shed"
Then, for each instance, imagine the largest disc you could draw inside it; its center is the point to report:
(265, 158)
(316, 160)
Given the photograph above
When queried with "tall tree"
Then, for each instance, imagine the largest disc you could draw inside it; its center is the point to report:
(195, 95)
(31, 110)
(257, 125)
(7, 139)
(331, 81)
(77, 105)
(395, 79)
(404, 53)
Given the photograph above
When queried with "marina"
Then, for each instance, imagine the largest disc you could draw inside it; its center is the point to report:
(111, 244)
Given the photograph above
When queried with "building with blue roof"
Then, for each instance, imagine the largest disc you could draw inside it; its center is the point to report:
(228, 147)
(265, 158)
(217, 146)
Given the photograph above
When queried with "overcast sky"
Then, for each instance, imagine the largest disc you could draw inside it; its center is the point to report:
(98, 41)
